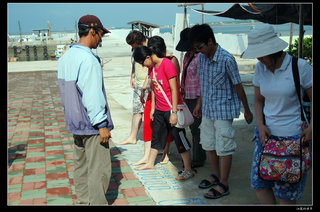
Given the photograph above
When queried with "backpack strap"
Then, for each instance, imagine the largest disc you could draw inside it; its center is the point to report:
(296, 78)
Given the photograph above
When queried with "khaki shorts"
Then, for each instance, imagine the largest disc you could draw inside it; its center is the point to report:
(217, 135)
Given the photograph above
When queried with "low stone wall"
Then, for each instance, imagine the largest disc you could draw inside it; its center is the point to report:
(30, 52)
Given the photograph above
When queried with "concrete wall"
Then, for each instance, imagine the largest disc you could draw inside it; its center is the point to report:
(115, 45)
(22, 53)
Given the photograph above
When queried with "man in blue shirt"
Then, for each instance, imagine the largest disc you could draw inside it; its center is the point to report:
(87, 112)
(221, 94)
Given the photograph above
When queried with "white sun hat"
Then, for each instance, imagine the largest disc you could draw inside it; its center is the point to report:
(263, 41)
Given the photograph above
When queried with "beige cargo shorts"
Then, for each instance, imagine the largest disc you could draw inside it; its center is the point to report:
(217, 135)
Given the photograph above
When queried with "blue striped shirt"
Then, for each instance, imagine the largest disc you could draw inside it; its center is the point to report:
(220, 100)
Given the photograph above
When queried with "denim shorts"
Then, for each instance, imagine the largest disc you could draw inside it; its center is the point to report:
(281, 190)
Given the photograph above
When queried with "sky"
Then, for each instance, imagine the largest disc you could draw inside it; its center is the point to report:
(63, 16)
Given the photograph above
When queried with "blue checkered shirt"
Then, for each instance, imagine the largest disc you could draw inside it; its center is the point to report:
(220, 100)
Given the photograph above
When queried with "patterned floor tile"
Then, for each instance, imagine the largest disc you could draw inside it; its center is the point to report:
(60, 200)
(40, 148)
(58, 191)
(33, 194)
(34, 171)
(34, 178)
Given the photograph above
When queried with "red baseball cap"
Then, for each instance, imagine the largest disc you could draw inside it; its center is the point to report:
(92, 21)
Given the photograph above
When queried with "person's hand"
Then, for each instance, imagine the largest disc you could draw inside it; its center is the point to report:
(173, 119)
(248, 116)
(197, 111)
(264, 134)
(151, 114)
(306, 134)
(132, 83)
(142, 96)
(104, 134)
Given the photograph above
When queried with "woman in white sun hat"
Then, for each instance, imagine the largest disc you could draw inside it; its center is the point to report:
(277, 107)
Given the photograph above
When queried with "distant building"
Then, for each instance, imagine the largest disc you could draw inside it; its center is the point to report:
(144, 27)
(43, 34)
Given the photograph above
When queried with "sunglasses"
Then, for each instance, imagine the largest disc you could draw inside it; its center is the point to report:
(200, 46)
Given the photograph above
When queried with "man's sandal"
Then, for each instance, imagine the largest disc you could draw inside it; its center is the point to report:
(217, 194)
(207, 184)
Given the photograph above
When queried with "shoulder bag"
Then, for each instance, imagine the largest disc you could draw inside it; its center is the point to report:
(284, 159)
(184, 115)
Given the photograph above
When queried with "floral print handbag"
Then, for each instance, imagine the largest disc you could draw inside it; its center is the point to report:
(284, 159)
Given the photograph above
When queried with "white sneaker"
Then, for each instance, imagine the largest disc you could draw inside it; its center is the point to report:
(184, 175)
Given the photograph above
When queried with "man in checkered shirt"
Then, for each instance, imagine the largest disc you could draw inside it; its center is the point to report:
(221, 94)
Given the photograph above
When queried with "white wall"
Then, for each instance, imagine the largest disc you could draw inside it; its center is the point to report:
(176, 33)
(234, 44)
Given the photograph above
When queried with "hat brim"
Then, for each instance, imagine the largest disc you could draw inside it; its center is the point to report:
(184, 46)
(264, 49)
(105, 30)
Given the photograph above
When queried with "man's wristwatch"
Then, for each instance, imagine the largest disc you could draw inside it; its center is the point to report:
(175, 112)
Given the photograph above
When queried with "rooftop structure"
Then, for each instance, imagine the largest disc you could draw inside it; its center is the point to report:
(144, 27)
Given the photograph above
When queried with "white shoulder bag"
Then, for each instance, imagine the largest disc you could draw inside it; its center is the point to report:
(184, 115)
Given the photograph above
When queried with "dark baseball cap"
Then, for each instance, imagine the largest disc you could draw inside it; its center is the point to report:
(184, 43)
(92, 21)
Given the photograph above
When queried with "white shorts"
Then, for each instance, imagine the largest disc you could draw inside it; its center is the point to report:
(217, 135)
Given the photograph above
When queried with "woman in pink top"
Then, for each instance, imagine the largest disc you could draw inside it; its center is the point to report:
(163, 73)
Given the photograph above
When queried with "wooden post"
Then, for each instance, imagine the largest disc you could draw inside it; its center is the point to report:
(20, 33)
(202, 7)
(291, 34)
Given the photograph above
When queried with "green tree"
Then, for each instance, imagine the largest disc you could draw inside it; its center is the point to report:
(307, 49)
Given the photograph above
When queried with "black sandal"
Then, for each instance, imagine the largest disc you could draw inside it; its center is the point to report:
(207, 184)
(217, 194)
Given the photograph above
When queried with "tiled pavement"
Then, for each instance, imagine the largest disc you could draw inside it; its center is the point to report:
(40, 149)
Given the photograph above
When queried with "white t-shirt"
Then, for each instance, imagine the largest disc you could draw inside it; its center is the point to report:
(282, 107)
